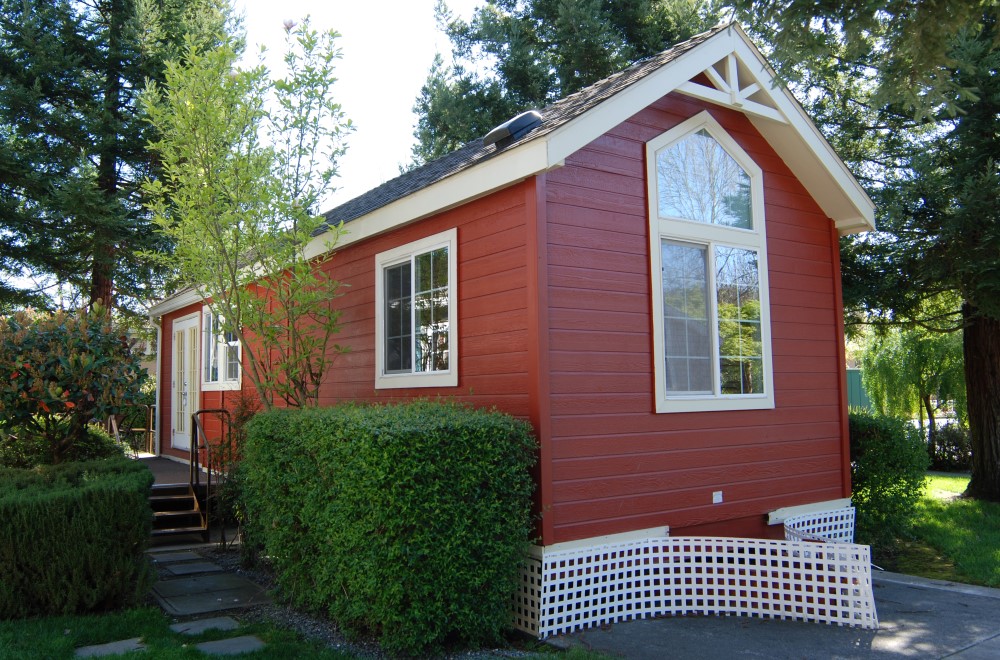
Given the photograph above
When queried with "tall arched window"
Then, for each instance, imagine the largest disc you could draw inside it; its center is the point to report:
(712, 339)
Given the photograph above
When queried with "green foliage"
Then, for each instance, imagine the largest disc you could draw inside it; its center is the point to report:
(909, 45)
(73, 537)
(242, 182)
(888, 459)
(904, 368)
(58, 371)
(24, 450)
(409, 521)
(514, 56)
(73, 142)
(952, 448)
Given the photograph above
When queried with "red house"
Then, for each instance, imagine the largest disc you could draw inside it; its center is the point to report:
(648, 271)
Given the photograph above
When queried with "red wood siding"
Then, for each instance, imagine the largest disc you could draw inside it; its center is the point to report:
(493, 346)
(617, 465)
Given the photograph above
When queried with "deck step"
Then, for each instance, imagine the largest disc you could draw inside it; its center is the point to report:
(194, 529)
(184, 512)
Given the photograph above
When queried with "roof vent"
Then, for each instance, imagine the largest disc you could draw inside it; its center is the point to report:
(504, 134)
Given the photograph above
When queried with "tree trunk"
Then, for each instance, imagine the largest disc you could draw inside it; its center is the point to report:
(981, 346)
(108, 178)
(931, 424)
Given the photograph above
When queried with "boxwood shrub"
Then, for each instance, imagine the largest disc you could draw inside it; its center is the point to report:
(406, 521)
(888, 463)
(73, 537)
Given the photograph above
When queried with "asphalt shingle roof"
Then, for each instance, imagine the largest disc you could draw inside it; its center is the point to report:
(475, 152)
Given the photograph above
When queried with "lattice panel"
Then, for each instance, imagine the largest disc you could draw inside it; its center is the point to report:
(594, 586)
(828, 583)
(528, 599)
(832, 526)
(598, 585)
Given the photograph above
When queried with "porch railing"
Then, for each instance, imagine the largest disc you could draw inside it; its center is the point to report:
(218, 458)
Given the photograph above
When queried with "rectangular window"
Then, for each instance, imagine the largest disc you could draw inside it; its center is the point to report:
(220, 354)
(415, 303)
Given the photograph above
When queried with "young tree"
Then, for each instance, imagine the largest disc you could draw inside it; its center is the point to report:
(246, 161)
(73, 141)
(516, 55)
(921, 124)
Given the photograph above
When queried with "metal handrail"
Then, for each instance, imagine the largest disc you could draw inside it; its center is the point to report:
(199, 440)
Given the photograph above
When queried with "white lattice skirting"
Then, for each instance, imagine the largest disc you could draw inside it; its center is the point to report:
(829, 526)
(568, 590)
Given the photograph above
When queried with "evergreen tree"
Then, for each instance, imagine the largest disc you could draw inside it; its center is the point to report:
(73, 140)
(515, 55)
(909, 92)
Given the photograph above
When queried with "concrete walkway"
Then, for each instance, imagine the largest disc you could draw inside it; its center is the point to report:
(918, 618)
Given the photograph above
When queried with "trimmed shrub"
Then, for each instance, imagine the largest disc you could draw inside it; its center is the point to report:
(406, 521)
(888, 460)
(73, 537)
(952, 449)
(26, 450)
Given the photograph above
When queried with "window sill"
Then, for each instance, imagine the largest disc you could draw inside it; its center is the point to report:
(714, 404)
(227, 386)
(402, 381)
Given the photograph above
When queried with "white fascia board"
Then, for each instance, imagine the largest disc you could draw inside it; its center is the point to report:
(806, 151)
(576, 134)
(173, 303)
(498, 172)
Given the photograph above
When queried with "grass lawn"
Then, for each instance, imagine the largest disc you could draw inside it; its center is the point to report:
(53, 638)
(954, 539)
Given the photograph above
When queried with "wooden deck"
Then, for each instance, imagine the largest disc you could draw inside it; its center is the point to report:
(166, 471)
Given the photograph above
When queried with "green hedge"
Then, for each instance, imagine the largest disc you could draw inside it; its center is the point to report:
(407, 521)
(888, 461)
(26, 450)
(73, 537)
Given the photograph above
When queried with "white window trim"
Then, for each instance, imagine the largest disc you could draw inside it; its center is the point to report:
(222, 384)
(709, 236)
(401, 254)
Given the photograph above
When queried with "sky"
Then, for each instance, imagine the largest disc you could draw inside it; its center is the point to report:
(387, 50)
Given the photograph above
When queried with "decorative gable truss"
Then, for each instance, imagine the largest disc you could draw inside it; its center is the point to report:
(734, 85)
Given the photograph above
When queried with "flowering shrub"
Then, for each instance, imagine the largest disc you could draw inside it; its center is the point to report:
(60, 370)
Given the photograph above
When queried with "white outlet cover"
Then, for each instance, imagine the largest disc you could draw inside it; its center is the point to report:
(717, 497)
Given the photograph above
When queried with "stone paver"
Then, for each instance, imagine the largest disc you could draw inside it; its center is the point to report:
(200, 584)
(111, 648)
(193, 568)
(234, 646)
(208, 593)
(199, 626)
(167, 557)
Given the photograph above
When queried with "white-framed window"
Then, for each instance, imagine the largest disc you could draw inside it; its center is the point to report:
(708, 254)
(220, 354)
(416, 314)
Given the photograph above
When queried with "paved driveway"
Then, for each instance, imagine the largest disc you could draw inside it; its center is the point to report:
(918, 618)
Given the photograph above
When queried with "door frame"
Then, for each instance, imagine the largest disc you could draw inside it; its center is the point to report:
(193, 350)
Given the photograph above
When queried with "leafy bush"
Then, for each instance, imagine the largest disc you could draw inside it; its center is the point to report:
(73, 537)
(409, 521)
(58, 371)
(888, 460)
(26, 450)
(952, 449)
